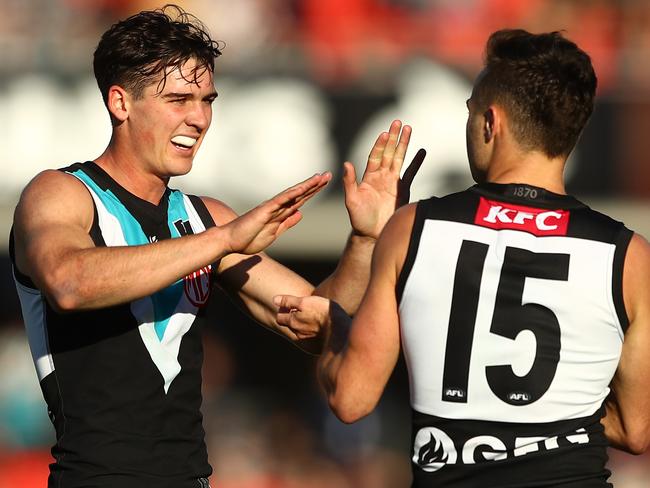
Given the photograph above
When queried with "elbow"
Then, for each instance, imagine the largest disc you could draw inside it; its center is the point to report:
(63, 292)
(62, 301)
(349, 411)
(631, 439)
(638, 443)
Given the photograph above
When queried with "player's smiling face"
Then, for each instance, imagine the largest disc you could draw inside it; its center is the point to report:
(168, 125)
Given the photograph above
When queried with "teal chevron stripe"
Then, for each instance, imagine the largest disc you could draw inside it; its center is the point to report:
(165, 300)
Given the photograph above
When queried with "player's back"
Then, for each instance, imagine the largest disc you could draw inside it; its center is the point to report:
(512, 322)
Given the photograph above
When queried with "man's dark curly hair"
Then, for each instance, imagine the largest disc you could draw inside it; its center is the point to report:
(142, 49)
(544, 82)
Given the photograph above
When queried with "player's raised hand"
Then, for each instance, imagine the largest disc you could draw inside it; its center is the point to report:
(371, 202)
(261, 226)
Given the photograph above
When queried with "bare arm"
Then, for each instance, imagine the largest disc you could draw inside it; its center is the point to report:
(627, 419)
(359, 358)
(53, 248)
(251, 282)
(370, 204)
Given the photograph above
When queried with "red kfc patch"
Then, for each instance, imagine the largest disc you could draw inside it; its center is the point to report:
(538, 221)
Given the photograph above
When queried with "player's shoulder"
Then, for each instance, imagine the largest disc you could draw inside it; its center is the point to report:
(54, 185)
(636, 278)
(639, 253)
(402, 220)
(220, 212)
(53, 196)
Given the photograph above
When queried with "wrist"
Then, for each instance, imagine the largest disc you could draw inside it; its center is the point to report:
(363, 238)
(221, 240)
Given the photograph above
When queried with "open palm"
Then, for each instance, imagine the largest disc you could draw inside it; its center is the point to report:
(258, 228)
(371, 202)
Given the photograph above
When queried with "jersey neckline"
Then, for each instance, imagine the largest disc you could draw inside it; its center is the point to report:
(524, 193)
(106, 182)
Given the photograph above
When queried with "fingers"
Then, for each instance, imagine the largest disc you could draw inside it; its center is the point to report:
(400, 151)
(391, 145)
(390, 148)
(377, 152)
(298, 194)
(287, 212)
(349, 178)
(285, 303)
(288, 307)
(289, 222)
(304, 316)
(301, 199)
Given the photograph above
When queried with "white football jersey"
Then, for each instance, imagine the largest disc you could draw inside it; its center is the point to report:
(512, 324)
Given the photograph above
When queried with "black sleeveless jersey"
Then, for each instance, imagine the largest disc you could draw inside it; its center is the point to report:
(512, 322)
(123, 384)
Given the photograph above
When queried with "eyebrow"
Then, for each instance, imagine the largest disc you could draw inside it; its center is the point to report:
(167, 96)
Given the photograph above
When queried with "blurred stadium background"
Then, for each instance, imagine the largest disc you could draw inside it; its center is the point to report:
(303, 85)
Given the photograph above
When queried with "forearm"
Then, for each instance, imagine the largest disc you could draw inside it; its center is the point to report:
(348, 283)
(330, 360)
(332, 368)
(97, 277)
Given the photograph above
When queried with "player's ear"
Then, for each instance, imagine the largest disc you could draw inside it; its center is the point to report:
(492, 120)
(118, 103)
(488, 124)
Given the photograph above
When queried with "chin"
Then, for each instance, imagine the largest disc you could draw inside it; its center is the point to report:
(178, 168)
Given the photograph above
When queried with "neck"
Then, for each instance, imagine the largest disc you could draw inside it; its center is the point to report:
(130, 174)
(532, 168)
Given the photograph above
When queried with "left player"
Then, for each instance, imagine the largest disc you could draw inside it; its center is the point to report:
(112, 265)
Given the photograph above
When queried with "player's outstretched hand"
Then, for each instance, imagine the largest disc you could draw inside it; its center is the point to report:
(371, 202)
(259, 227)
(305, 316)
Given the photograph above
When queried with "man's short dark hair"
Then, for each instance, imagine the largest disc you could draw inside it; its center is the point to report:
(141, 49)
(546, 85)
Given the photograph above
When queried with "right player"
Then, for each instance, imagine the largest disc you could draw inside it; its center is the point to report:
(523, 314)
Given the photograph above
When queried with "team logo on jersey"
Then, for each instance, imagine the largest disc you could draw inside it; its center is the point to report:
(537, 221)
(433, 449)
(183, 227)
(198, 285)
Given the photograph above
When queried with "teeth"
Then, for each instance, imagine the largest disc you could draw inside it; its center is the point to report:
(184, 141)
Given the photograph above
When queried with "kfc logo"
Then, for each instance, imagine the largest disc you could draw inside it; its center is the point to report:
(537, 221)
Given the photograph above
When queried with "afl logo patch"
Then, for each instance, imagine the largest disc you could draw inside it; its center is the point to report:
(198, 285)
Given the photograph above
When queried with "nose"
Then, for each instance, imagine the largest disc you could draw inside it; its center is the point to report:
(199, 116)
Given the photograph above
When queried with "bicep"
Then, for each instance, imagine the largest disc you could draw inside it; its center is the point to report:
(52, 219)
(631, 383)
(634, 365)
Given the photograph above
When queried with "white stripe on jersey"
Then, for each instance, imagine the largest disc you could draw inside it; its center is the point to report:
(33, 308)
